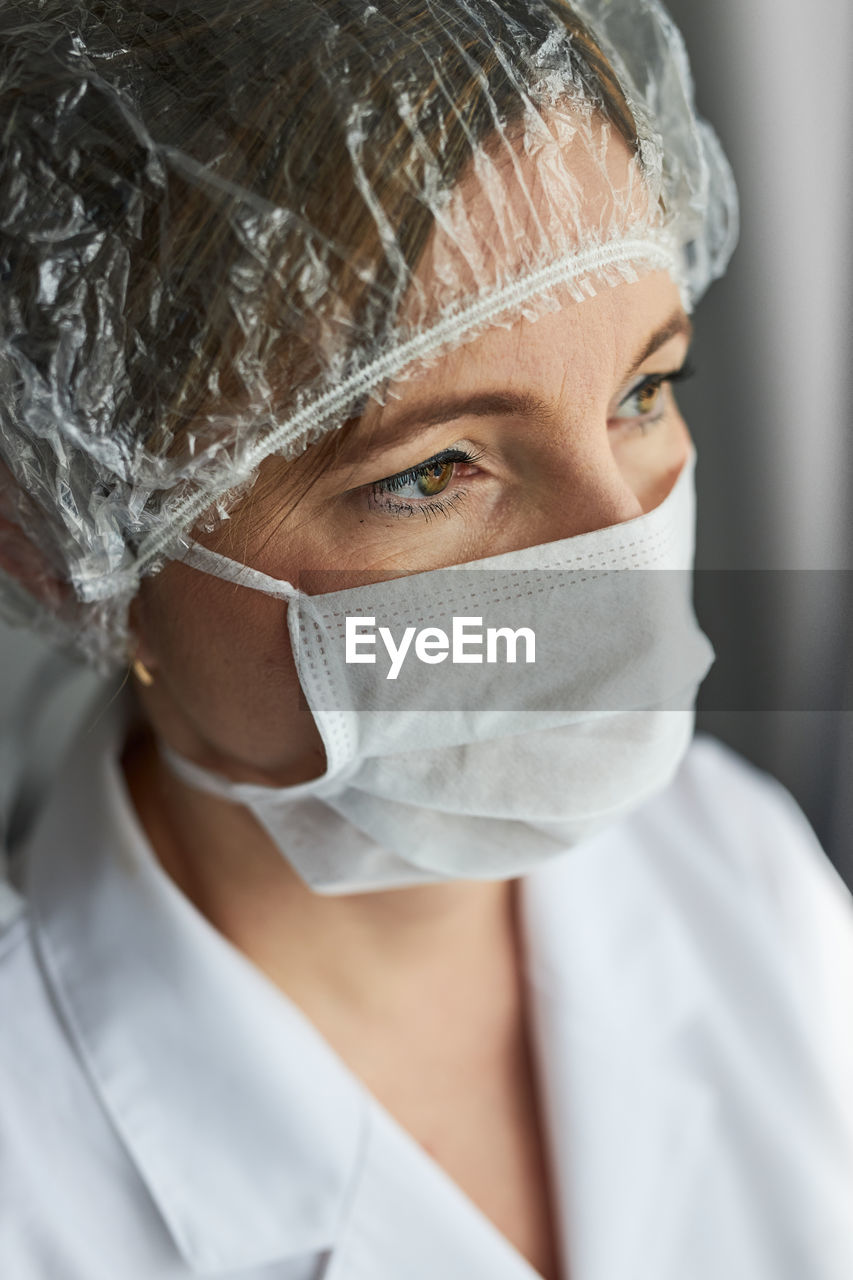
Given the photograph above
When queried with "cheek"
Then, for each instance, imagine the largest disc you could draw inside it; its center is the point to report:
(650, 463)
(226, 680)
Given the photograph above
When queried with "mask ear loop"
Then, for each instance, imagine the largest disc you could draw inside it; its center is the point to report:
(336, 730)
(241, 575)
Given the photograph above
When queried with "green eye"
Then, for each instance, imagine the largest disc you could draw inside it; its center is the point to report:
(427, 480)
(644, 399)
(648, 396)
(435, 478)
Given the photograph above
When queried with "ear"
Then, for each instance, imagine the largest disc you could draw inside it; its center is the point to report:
(139, 646)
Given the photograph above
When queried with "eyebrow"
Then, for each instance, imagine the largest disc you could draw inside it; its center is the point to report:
(431, 413)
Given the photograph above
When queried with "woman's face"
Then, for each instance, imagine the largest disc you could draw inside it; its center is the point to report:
(526, 435)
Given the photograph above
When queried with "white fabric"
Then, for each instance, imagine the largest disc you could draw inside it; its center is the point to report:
(165, 1112)
(482, 770)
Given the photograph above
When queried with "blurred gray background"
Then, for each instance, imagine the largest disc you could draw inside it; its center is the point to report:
(769, 408)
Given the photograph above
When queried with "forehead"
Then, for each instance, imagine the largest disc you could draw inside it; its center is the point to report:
(574, 353)
(555, 187)
(559, 185)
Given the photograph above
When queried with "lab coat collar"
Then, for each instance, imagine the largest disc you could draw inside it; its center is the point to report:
(614, 1008)
(616, 1001)
(257, 1143)
(247, 1131)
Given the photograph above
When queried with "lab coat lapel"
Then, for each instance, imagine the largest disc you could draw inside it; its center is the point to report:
(409, 1219)
(613, 1003)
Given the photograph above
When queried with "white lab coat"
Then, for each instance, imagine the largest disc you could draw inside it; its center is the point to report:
(165, 1112)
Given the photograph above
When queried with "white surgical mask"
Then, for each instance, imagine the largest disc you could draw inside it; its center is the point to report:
(444, 769)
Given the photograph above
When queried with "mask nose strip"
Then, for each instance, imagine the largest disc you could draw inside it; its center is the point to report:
(241, 575)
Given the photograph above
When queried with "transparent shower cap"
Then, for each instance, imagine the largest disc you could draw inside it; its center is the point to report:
(225, 226)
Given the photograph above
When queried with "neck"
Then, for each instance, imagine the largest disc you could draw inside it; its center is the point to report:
(353, 956)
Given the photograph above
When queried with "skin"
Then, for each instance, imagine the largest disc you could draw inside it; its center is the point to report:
(453, 1065)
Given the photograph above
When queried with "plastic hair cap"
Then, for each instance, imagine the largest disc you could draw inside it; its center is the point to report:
(224, 226)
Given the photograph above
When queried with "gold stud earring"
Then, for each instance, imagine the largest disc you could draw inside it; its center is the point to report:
(141, 672)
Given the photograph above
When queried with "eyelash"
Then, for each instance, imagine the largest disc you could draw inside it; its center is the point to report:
(435, 506)
(654, 382)
(381, 489)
